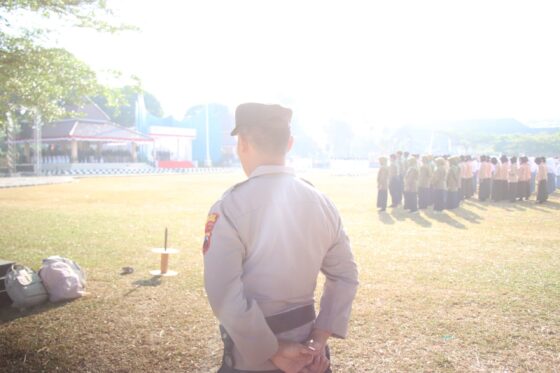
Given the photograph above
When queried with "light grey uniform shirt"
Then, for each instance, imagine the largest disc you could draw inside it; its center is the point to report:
(271, 237)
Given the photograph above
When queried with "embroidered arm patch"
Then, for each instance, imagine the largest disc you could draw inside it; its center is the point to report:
(210, 222)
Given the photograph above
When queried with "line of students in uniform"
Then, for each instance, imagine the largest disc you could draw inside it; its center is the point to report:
(443, 182)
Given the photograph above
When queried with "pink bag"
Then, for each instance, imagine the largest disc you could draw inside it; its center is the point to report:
(62, 278)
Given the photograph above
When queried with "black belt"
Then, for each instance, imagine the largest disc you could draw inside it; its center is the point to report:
(292, 319)
(277, 323)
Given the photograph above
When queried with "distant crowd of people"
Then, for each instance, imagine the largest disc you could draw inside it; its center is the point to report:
(443, 182)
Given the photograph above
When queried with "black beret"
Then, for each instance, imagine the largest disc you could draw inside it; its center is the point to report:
(267, 116)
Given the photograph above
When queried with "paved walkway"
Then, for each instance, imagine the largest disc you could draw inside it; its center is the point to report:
(15, 182)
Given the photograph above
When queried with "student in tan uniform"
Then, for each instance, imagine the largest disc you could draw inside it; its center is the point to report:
(524, 186)
(484, 175)
(502, 178)
(542, 180)
(266, 240)
(513, 179)
(439, 182)
(453, 180)
(394, 181)
(461, 163)
(401, 163)
(424, 183)
(495, 182)
(411, 186)
(382, 184)
(469, 190)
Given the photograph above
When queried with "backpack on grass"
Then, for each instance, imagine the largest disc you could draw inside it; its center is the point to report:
(24, 287)
(63, 278)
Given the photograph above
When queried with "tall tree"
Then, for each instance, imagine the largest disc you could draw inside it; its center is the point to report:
(79, 13)
(39, 78)
(45, 79)
(36, 80)
(124, 112)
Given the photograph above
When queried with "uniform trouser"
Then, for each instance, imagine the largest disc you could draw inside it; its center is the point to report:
(512, 191)
(382, 198)
(411, 201)
(394, 189)
(501, 187)
(467, 186)
(551, 183)
(401, 189)
(494, 190)
(542, 191)
(439, 199)
(524, 189)
(430, 196)
(484, 189)
(505, 190)
(452, 201)
(423, 197)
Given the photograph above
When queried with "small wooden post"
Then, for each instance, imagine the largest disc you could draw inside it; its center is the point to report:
(164, 262)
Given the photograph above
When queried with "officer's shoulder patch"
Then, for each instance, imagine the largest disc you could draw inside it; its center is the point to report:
(209, 227)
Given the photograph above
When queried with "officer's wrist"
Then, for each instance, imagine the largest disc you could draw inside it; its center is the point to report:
(320, 337)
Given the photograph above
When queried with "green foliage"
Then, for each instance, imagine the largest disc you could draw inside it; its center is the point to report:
(533, 144)
(93, 14)
(33, 77)
(120, 104)
(540, 144)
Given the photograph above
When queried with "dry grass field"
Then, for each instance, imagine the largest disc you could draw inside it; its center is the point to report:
(472, 290)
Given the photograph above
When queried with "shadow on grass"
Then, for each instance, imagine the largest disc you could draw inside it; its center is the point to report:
(154, 281)
(480, 205)
(385, 217)
(548, 205)
(443, 217)
(8, 313)
(402, 215)
(524, 205)
(470, 216)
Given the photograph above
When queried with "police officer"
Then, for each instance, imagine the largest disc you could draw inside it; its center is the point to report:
(266, 240)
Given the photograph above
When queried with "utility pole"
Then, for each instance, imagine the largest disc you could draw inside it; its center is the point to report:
(38, 143)
(208, 160)
(11, 155)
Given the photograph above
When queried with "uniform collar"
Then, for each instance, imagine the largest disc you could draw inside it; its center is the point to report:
(267, 170)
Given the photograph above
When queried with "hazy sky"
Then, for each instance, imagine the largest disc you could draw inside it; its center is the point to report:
(369, 62)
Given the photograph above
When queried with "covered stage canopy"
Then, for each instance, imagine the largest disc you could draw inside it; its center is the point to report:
(89, 137)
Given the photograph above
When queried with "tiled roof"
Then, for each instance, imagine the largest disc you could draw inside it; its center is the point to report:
(86, 131)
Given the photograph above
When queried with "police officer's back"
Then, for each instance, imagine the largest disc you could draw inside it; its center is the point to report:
(266, 241)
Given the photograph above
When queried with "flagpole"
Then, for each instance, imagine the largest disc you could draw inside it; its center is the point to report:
(208, 161)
